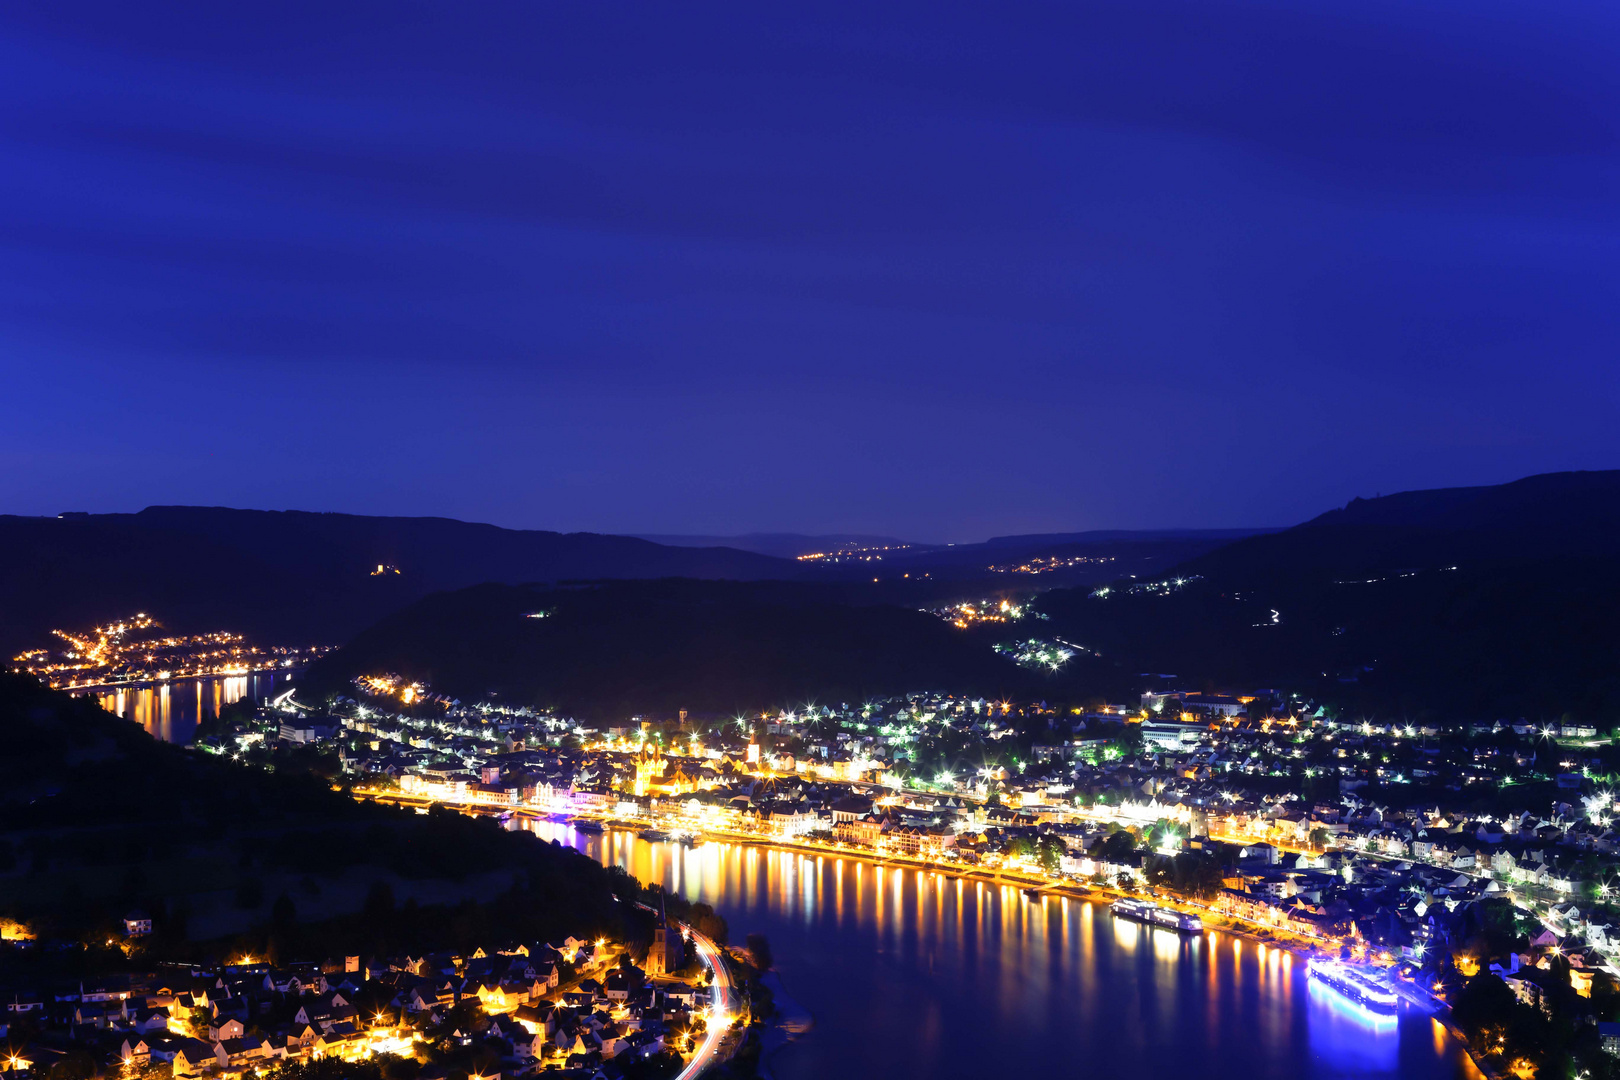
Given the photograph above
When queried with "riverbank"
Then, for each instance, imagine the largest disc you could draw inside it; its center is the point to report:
(1220, 921)
(789, 1022)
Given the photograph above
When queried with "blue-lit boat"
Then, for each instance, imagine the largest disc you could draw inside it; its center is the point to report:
(1355, 984)
(585, 825)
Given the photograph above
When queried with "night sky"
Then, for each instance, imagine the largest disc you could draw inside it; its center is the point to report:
(927, 272)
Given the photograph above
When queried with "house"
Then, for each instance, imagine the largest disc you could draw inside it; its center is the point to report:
(110, 989)
(503, 997)
(333, 1043)
(239, 1052)
(190, 1056)
(135, 1051)
(1262, 853)
(137, 924)
(618, 986)
(644, 1043)
(90, 1014)
(26, 1001)
(146, 1021)
(536, 1019)
(220, 1030)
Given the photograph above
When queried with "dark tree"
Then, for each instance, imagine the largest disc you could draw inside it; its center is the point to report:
(760, 949)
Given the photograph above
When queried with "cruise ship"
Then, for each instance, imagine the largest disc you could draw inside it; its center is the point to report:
(1354, 983)
(1149, 912)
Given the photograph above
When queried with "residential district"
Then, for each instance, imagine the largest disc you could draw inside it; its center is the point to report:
(569, 1008)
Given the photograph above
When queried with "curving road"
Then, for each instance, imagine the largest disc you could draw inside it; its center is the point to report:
(720, 1015)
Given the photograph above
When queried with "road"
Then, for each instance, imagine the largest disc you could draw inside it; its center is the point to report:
(721, 1014)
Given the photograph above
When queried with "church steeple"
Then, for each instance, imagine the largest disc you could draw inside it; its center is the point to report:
(665, 956)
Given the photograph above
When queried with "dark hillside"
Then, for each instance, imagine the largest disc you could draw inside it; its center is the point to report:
(96, 817)
(292, 577)
(1556, 516)
(621, 648)
(1460, 603)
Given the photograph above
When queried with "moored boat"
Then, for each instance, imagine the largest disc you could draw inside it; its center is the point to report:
(1354, 983)
(1149, 912)
(1171, 919)
(1133, 909)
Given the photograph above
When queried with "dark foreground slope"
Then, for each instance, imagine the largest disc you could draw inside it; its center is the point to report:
(96, 818)
(627, 647)
(1460, 603)
(295, 577)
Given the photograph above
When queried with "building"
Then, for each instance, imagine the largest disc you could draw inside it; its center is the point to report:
(1213, 704)
(666, 955)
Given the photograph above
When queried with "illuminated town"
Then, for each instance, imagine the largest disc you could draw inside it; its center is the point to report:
(136, 650)
(523, 1008)
(973, 612)
(1195, 813)
(854, 553)
(1046, 564)
(1244, 809)
(838, 541)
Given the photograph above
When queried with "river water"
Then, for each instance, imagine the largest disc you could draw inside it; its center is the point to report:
(169, 710)
(917, 974)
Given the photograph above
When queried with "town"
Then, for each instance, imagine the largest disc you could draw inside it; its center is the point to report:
(136, 650)
(1431, 854)
(568, 1008)
(1263, 809)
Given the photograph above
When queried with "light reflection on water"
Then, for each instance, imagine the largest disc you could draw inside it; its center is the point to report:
(170, 710)
(916, 973)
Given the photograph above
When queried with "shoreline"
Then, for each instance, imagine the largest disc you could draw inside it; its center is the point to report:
(1102, 894)
(790, 1022)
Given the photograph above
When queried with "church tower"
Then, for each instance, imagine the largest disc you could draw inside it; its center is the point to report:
(665, 956)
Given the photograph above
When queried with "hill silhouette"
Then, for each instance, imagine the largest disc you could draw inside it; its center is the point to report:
(627, 647)
(80, 790)
(292, 576)
(1553, 516)
(1459, 603)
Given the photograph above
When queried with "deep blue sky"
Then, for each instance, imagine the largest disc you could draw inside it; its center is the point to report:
(921, 271)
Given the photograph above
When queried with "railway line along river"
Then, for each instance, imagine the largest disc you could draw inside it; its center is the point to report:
(916, 973)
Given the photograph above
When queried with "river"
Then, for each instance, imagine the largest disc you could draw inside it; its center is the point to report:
(170, 709)
(914, 973)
